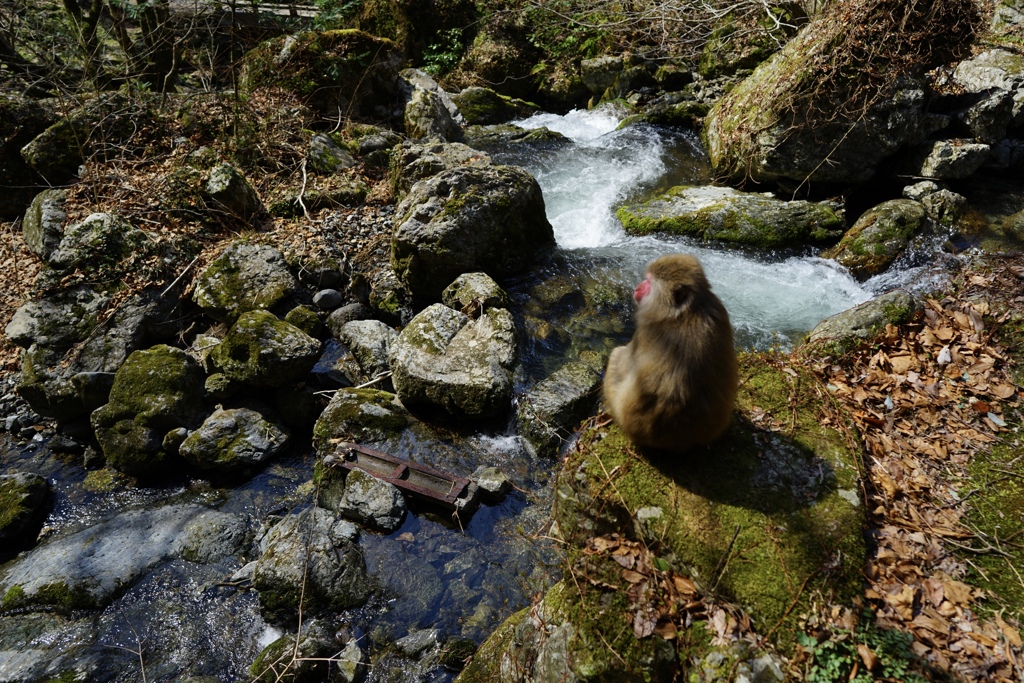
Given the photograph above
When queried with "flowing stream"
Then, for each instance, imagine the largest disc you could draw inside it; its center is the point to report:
(772, 298)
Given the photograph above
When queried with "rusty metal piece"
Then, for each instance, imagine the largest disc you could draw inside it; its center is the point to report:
(447, 490)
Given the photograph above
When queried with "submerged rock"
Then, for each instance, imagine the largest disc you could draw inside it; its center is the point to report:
(90, 568)
(443, 359)
(726, 214)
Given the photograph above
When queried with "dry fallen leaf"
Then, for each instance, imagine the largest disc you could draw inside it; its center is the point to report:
(869, 658)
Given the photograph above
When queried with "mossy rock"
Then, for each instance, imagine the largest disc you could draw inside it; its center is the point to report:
(340, 69)
(244, 277)
(262, 351)
(483, 106)
(728, 215)
(24, 504)
(363, 415)
(155, 391)
(879, 237)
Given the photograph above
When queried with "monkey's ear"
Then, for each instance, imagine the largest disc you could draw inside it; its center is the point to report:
(680, 295)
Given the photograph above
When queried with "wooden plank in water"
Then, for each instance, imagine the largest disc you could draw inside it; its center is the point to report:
(447, 490)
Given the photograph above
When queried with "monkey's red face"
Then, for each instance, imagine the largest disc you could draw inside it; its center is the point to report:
(642, 289)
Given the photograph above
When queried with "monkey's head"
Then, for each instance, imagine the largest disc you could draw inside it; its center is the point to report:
(671, 281)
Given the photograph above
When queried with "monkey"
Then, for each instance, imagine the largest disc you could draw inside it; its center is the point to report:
(673, 386)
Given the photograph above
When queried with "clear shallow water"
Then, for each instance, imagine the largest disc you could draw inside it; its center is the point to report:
(772, 298)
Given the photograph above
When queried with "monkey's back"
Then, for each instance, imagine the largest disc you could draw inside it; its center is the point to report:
(674, 385)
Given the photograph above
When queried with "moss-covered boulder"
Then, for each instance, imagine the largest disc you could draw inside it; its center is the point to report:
(480, 217)
(443, 359)
(866, 320)
(245, 277)
(744, 40)
(828, 107)
(346, 70)
(155, 392)
(728, 215)
(483, 106)
(550, 412)
(879, 236)
(426, 116)
(363, 415)
(99, 244)
(233, 441)
(768, 518)
(24, 504)
(261, 350)
(414, 161)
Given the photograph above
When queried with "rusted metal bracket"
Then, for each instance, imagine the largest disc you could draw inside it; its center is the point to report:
(440, 488)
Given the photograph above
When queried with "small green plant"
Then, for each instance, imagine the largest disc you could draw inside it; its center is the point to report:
(332, 14)
(441, 56)
(839, 658)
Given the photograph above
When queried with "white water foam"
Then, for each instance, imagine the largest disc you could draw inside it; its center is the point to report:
(771, 300)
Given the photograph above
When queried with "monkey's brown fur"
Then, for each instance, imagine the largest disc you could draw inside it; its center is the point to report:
(674, 385)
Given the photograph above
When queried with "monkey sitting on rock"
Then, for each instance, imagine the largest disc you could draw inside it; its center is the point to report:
(674, 385)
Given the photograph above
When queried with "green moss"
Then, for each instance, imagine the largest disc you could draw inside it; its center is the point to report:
(358, 415)
(102, 481)
(70, 676)
(58, 595)
(483, 667)
(761, 518)
(14, 597)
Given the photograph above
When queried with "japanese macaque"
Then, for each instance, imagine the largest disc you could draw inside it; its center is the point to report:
(674, 385)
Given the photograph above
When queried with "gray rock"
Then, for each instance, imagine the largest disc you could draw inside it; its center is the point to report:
(492, 482)
(600, 73)
(478, 217)
(474, 289)
(91, 567)
(947, 159)
(21, 119)
(43, 226)
(228, 191)
(390, 297)
(879, 236)
(416, 79)
(363, 415)
(418, 642)
(262, 351)
(326, 156)
(867, 319)
(549, 413)
(500, 136)
(427, 117)
(26, 499)
(370, 342)
(994, 69)
(58, 320)
(372, 502)
(328, 299)
(346, 314)
(726, 214)
(988, 118)
(232, 441)
(306, 319)
(413, 161)
(483, 106)
(307, 556)
(944, 206)
(214, 536)
(154, 392)
(918, 191)
(99, 239)
(445, 360)
(245, 277)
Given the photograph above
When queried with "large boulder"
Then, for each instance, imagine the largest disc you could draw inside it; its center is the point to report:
(413, 161)
(483, 106)
(102, 240)
(261, 350)
(445, 359)
(310, 558)
(947, 159)
(822, 109)
(372, 502)
(864, 321)
(995, 70)
(363, 415)
(728, 215)
(245, 277)
(155, 392)
(488, 218)
(90, 568)
(879, 236)
(340, 70)
(549, 413)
